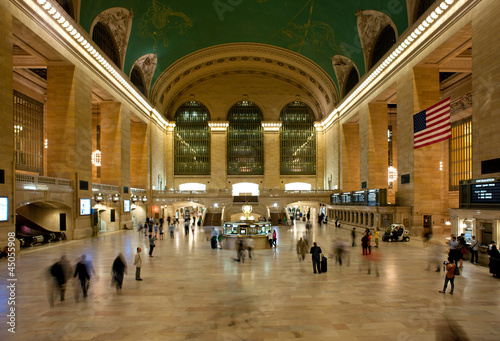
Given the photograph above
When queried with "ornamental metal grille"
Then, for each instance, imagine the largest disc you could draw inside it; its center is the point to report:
(28, 133)
(245, 144)
(460, 152)
(137, 80)
(104, 39)
(297, 140)
(192, 140)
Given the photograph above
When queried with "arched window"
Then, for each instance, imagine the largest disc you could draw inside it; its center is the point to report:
(67, 5)
(137, 80)
(351, 81)
(297, 140)
(104, 39)
(245, 146)
(192, 140)
(385, 41)
(423, 6)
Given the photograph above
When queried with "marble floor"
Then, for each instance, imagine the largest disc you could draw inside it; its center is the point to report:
(193, 292)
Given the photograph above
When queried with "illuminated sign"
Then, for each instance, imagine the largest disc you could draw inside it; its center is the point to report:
(85, 206)
(126, 205)
(4, 209)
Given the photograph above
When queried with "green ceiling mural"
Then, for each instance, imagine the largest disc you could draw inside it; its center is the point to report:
(318, 29)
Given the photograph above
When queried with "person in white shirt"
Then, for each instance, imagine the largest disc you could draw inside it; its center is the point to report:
(474, 247)
(138, 264)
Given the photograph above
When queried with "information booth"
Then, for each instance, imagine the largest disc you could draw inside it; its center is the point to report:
(258, 231)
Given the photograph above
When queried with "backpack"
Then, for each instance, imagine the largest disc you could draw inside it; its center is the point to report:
(55, 269)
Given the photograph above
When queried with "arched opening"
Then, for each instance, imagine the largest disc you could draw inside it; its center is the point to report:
(192, 140)
(245, 188)
(298, 186)
(245, 145)
(297, 140)
(68, 7)
(386, 39)
(192, 186)
(423, 6)
(351, 81)
(104, 39)
(138, 80)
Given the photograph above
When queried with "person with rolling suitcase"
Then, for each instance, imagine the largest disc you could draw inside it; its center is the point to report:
(316, 257)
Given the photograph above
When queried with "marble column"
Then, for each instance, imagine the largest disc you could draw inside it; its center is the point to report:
(218, 151)
(350, 157)
(271, 154)
(7, 181)
(69, 135)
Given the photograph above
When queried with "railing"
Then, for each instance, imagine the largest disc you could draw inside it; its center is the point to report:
(42, 180)
(102, 187)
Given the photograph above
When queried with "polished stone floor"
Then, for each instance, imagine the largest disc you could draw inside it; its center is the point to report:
(193, 292)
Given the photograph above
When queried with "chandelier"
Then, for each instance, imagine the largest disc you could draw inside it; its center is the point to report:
(96, 158)
(392, 174)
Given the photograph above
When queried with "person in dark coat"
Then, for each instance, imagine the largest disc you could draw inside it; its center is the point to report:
(494, 261)
(316, 257)
(118, 271)
(83, 274)
(61, 272)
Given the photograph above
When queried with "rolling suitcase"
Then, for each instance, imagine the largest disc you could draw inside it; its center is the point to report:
(324, 265)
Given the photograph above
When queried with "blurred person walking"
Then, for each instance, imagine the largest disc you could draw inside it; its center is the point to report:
(152, 244)
(171, 229)
(118, 271)
(83, 273)
(353, 235)
(302, 247)
(61, 272)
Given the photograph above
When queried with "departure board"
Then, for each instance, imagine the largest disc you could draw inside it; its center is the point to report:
(335, 199)
(485, 193)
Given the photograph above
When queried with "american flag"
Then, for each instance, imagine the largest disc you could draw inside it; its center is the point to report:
(432, 124)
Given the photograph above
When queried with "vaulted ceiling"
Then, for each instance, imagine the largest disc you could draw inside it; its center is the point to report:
(316, 29)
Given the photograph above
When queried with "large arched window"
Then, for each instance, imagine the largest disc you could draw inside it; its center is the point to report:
(245, 146)
(423, 6)
(297, 140)
(137, 79)
(67, 5)
(192, 140)
(104, 39)
(385, 41)
(351, 81)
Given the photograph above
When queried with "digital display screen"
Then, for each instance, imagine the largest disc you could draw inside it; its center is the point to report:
(372, 197)
(85, 206)
(243, 231)
(486, 193)
(346, 198)
(335, 199)
(4, 208)
(359, 197)
(126, 205)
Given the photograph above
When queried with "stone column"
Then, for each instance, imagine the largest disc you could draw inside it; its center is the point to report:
(7, 181)
(320, 157)
(486, 86)
(373, 145)
(169, 156)
(69, 135)
(350, 157)
(139, 155)
(418, 90)
(218, 152)
(271, 154)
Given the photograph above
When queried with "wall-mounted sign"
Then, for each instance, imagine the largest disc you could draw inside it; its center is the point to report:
(4, 208)
(85, 206)
(126, 206)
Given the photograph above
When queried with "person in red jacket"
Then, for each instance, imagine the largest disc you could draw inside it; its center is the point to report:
(450, 275)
